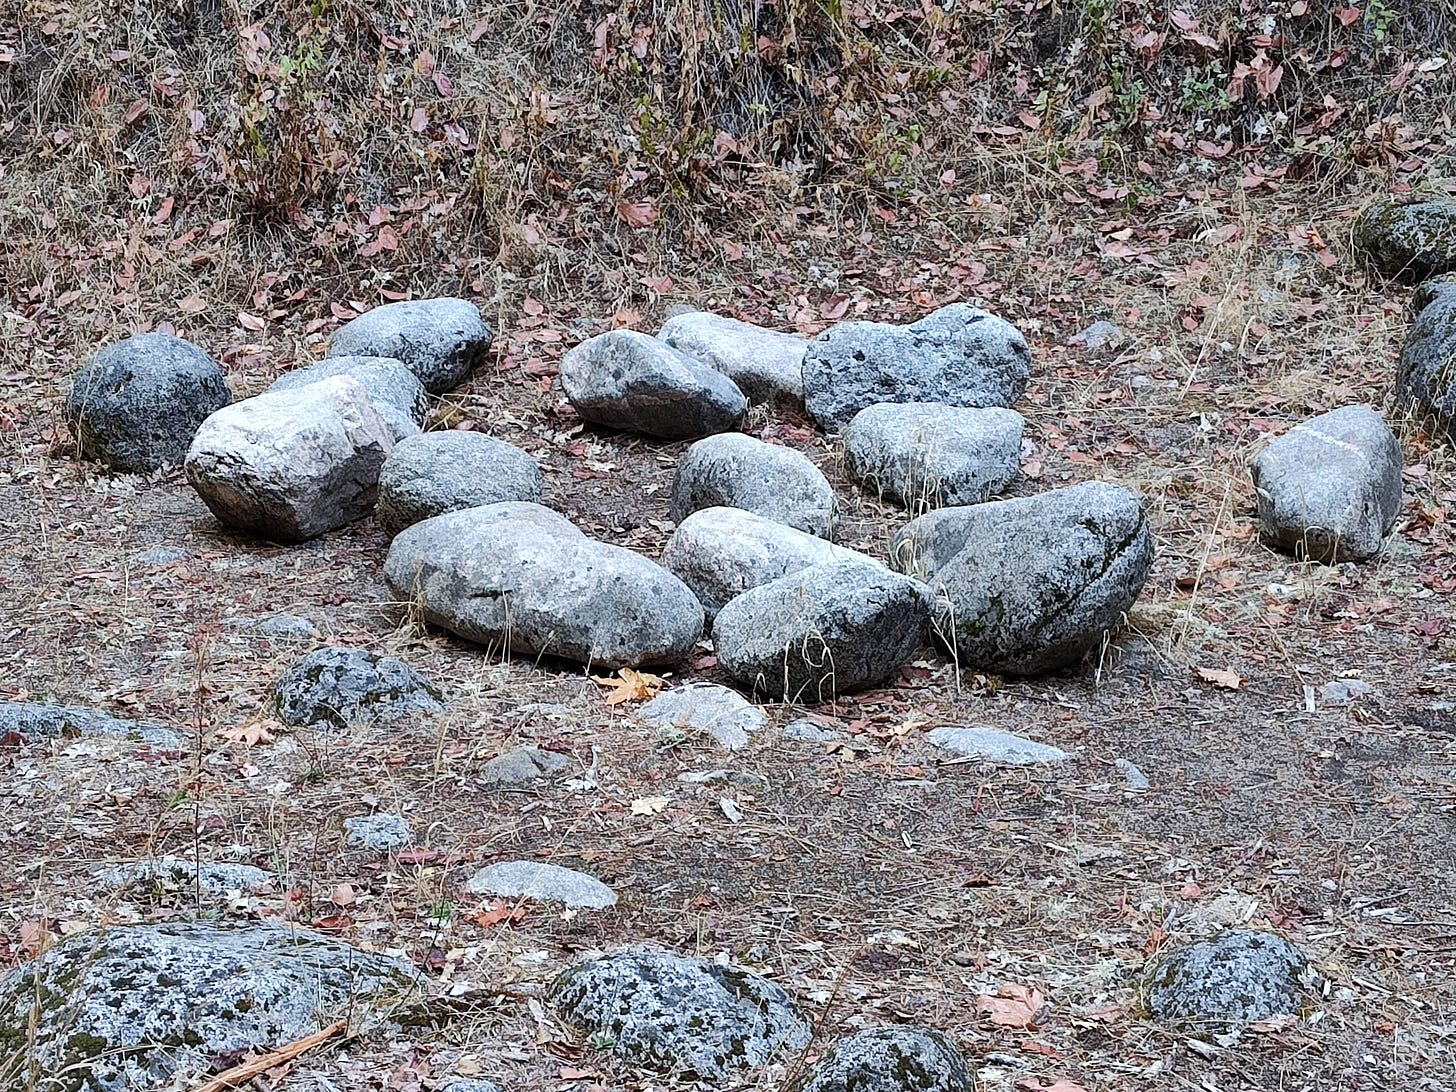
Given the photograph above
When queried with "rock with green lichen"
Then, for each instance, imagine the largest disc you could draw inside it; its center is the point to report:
(1240, 976)
(897, 1059)
(1425, 378)
(139, 1007)
(47, 720)
(679, 1015)
(1414, 241)
(344, 687)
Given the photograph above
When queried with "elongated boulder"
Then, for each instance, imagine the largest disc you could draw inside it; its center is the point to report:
(1413, 241)
(438, 472)
(890, 1059)
(49, 720)
(959, 356)
(767, 366)
(440, 340)
(519, 577)
(737, 471)
(1425, 378)
(629, 380)
(396, 392)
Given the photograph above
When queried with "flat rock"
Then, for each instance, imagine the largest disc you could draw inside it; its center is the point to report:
(523, 765)
(48, 720)
(1240, 976)
(1330, 489)
(469, 1084)
(1099, 335)
(806, 731)
(542, 882)
(926, 455)
(630, 380)
(439, 472)
(216, 878)
(993, 745)
(767, 366)
(682, 1016)
(1425, 377)
(346, 687)
(739, 779)
(159, 557)
(890, 1059)
(519, 577)
(440, 340)
(1414, 241)
(382, 831)
(821, 631)
(396, 392)
(736, 471)
(279, 627)
(720, 553)
(958, 355)
(136, 405)
(713, 710)
(291, 464)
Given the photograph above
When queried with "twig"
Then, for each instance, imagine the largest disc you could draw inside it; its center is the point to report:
(246, 1071)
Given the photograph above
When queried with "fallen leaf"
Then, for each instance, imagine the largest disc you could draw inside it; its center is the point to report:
(343, 895)
(1013, 1006)
(1225, 678)
(253, 734)
(650, 805)
(630, 685)
(638, 214)
(498, 913)
(1041, 1084)
(1273, 1025)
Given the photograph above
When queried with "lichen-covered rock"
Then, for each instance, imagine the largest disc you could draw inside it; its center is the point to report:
(440, 340)
(131, 1008)
(767, 366)
(1413, 241)
(542, 882)
(48, 720)
(1425, 378)
(469, 1084)
(736, 471)
(381, 832)
(959, 356)
(345, 687)
(440, 472)
(1330, 488)
(679, 1015)
(723, 714)
(396, 392)
(169, 873)
(137, 404)
(1240, 976)
(890, 1059)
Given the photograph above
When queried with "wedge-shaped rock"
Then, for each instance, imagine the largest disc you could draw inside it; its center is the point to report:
(520, 577)
(396, 392)
(289, 465)
(440, 340)
(737, 471)
(891, 1059)
(629, 380)
(767, 366)
(1413, 241)
(439, 472)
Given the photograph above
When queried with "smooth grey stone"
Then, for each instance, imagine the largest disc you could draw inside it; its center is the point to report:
(1414, 241)
(396, 392)
(542, 882)
(161, 556)
(283, 627)
(381, 831)
(440, 340)
(1137, 781)
(47, 720)
(890, 1059)
(723, 714)
(1241, 976)
(439, 472)
(136, 405)
(1425, 377)
(993, 745)
(767, 366)
(345, 687)
(736, 471)
(470, 1084)
(522, 765)
(1330, 489)
(216, 878)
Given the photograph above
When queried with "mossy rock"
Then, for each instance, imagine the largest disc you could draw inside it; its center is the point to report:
(897, 1059)
(1240, 976)
(345, 687)
(1412, 241)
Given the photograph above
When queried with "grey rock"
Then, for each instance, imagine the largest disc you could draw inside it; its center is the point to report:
(159, 557)
(440, 340)
(137, 404)
(469, 1084)
(737, 471)
(890, 1059)
(396, 392)
(723, 714)
(629, 380)
(47, 720)
(1413, 241)
(1343, 693)
(523, 765)
(1101, 334)
(1137, 781)
(542, 882)
(382, 831)
(290, 465)
(959, 355)
(280, 627)
(993, 745)
(552, 710)
(806, 731)
(720, 553)
(741, 779)
(135, 1007)
(532, 583)
(345, 687)
(1330, 488)
(821, 631)
(767, 366)
(1030, 585)
(1240, 976)
(215, 878)
(926, 455)
(441, 472)
(1425, 377)
(679, 1015)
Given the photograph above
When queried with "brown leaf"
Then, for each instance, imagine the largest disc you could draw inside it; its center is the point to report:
(638, 215)
(1013, 1006)
(497, 913)
(255, 733)
(1225, 678)
(343, 895)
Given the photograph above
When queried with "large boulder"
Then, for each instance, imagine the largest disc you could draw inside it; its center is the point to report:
(290, 465)
(136, 405)
(1425, 378)
(1330, 488)
(396, 391)
(820, 631)
(890, 1059)
(629, 380)
(1413, 241)
(131, 1008)
(438, 472)
(767, 366)
(519, 577)
(1240, 976)
(959, 355)
(722, 552)
(925, 455)
(1030, 585)
(737, 471)
(683, 1016)
(345, 687)
(440, 340)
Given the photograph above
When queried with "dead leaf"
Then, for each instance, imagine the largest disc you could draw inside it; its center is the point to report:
(630, 685)
(343, 895)
(1041, 1084)
(1013, 1006)
(1274, 1025)
(498, 913)
(650, 805)
(639, 214)
(1225, 678)
(254, 734)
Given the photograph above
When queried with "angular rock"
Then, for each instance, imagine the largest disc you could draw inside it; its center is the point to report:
(536, 585)
(1030, 585)
(1240, 976)
(542, 882)
(926, 455)
(1135, 779)
(629, 380)
(137, 404)
(993, 745)
(381, 831)
(1330, 488)
(396, 392)
(216, 878)
(290, 465)
(679, 1015)
(821, 631)
(767, 366)
(714, 710)
(345, 687)
(47, 720)
(524, 764)
(440, 340)
(720, 553)
(806, 731)
(1425, 378)
(440, 472)
(132, 1008)
(890, 1059)
(732, 470)
(959, 355)
(1413, 241)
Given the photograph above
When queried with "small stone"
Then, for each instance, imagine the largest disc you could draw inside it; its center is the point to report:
(767, 366)
(280, 627)
(806, 731)
(398, 396)
(381, 831)
(1425, 378)
(742, 779)
(1343, 693)
(1137, 781)
(439, 340)
(1101, 334)
(47, 720)
(993, 745)
(346, 687)
(542, 882)
(216, 878)
(522, 765)
(469, 1084)
(708, 708)
(890, 1059)
(737, 471)
(553, 710)
(159, 557)
(1414, 241)
(1241, 976)
(439, 472)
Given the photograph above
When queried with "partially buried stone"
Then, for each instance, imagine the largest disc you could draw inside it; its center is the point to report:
(891, 1059)
(48, 720)
(382, 831)
(212, 877)
(439, 340)
(397, 394)
(281, 627)
(1415, 240)
(523, 765)
(993, 745)
(737, 471)
(1425, 377)
(542, 882)
(714, 710)
(345, 687)
(1240, 976)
